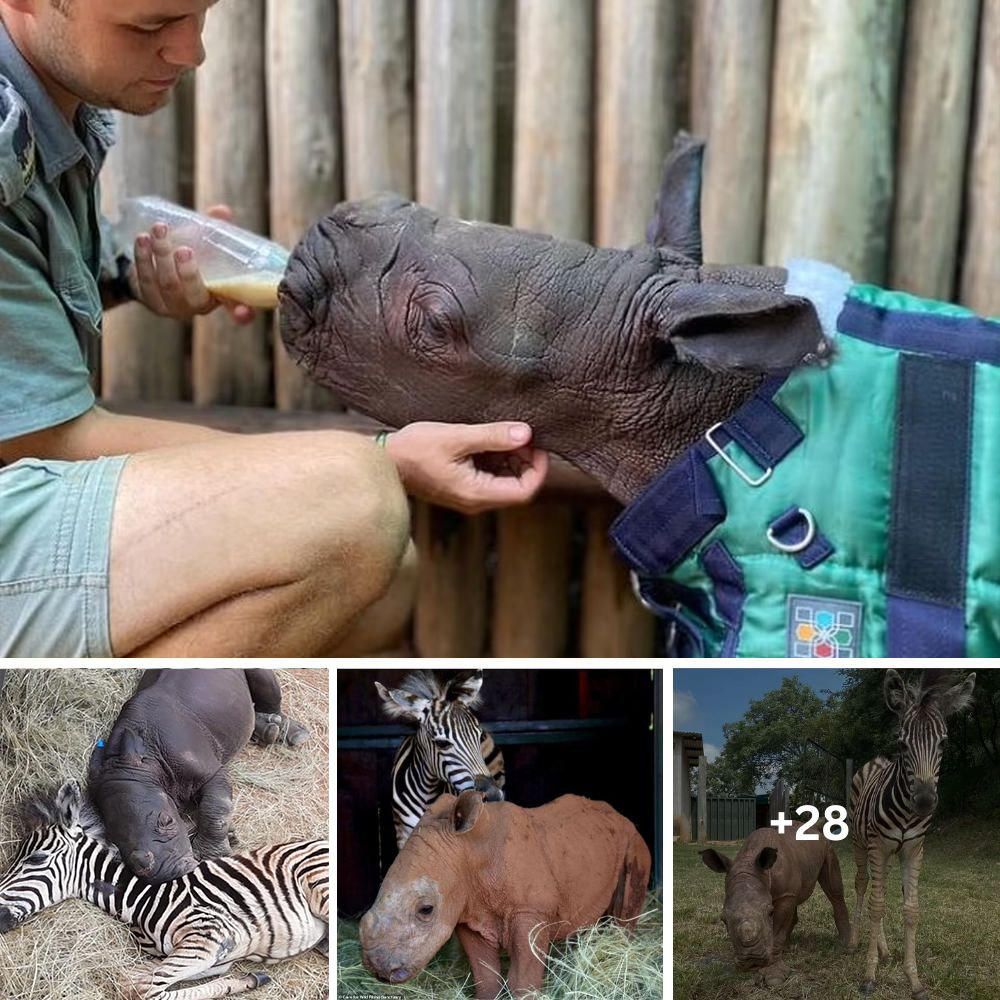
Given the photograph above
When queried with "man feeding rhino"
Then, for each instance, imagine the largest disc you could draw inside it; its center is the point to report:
(140, 537)
(775, 507)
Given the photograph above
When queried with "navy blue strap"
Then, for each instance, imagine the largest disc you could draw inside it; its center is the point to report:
(971, 338)
(929, 522)
(730, 592)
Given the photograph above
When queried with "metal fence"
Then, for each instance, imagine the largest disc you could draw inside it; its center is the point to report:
(730, 817)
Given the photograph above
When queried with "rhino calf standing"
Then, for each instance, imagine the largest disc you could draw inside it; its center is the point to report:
(765, 883)
(495, 872)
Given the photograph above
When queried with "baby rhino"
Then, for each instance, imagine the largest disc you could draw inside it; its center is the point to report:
(765, 884)
(498, 873)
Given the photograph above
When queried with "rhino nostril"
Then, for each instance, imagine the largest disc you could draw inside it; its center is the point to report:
(399, 975)
(141, 862)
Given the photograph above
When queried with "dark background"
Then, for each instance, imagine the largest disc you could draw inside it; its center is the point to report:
(588, 732)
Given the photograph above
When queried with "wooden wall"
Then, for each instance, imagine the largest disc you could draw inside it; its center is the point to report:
(866, 133)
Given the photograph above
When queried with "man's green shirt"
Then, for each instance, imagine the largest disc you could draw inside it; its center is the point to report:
(50, 250)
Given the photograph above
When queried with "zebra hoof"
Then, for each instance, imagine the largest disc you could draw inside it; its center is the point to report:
(260, 979)
(868, 987)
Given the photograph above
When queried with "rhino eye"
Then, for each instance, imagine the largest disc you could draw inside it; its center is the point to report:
(426, 910)
(434, 319)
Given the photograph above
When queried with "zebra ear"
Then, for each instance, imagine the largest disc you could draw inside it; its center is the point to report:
(716, 861)
(468, 808)
(957, 698)
(465, 688)
(399, 704)
(67, 804)
(895, 692)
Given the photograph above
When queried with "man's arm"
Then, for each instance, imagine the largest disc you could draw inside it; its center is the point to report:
(98, 432)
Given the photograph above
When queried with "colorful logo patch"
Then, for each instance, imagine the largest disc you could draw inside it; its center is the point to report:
(824, 628)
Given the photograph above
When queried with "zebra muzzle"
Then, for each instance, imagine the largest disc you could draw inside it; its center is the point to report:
(8, 920)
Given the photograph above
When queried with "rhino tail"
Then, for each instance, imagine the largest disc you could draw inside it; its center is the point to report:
(633, 880)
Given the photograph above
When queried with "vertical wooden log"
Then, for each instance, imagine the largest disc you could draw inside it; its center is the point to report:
(456, 46)
(980, 288)
(702, 799)
(730, 83)
(232, 364)
(635, 123)
(142, 354)
(829, 191)
(551, 194)
(935, 96)
(530, 597)
(637, 45)
(375, 84)
(612, 621)
(303, 110)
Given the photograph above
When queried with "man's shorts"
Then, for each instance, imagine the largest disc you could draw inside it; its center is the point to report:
(55, 546)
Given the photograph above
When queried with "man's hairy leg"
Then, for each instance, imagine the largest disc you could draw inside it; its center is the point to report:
(260, 545)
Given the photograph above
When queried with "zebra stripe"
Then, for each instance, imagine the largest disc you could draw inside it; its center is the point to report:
(264, 906)
(449, 753)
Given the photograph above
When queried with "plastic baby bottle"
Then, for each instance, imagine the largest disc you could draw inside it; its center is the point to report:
(235, 264)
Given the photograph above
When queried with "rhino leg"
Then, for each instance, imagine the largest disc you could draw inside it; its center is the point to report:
(215, 813)
(633, 879)
(832, 884)
(484, 959)
(527, 970)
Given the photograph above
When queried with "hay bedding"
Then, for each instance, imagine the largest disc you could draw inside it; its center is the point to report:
(49, 720)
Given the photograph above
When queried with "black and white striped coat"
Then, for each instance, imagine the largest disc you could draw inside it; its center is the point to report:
(448, 753)
(262, 906)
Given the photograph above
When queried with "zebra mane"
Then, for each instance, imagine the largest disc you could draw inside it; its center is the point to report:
(40, 808)
(426, 684)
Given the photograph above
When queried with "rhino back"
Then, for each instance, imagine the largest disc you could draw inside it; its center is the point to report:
(798, 865)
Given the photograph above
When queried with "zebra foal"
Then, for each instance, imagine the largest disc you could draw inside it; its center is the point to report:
(892, 804)
(449, 752)
(262, 906)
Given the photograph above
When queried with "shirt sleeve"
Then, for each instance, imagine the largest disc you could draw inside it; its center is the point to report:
(44, 379)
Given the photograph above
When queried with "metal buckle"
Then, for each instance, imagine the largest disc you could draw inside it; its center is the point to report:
(639, 595)
(760, 480)
(802, 543)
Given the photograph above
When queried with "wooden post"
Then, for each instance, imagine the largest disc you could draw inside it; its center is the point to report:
(375, 88)
(849, 769)
(980, 288)
(304, 150)
(232, 364)
(702, 799)
(551, 194)
(634, 120)
(936, 93)
(730, 85)
(142, 354)
(456, 42)
(829, 190)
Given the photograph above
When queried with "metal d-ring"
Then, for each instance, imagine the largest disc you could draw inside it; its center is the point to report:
(637, 590)
(749, 480)
(802, 543)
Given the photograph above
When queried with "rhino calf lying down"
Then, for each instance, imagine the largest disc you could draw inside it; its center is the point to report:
(494, 872)
(166, 753)
(767, 881)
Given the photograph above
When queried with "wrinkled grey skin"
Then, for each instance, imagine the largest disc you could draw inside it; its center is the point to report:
(619, 359)
(165, 756)
(770, 877)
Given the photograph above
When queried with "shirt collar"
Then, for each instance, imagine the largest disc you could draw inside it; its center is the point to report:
(59, 145)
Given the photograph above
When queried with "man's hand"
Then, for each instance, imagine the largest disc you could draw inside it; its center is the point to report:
(468, 467)
(167, 280)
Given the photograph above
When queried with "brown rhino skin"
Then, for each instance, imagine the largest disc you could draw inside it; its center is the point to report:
(495, 871)
(776, 872)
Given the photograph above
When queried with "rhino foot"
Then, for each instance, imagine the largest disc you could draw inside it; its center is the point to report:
(206, 847)
(773, 975)
(868, 987)
(274, 728)
(922, 994)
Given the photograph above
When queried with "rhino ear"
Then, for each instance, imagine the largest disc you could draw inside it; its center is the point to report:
(766, 858)
(399, 704)
(716, 861)
(676, 221)
(132, 745)
(468, 809)
(728, 327)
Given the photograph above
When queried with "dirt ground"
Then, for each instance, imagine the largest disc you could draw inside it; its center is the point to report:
(50, 719)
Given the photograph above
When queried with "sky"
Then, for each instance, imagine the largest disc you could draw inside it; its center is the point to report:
(705, 698)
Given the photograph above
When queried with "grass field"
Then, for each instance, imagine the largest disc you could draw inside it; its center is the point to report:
(602, 963)
(49, 720)
(958, 939)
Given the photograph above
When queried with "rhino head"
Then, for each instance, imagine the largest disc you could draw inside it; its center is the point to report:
(426, 889)
(619, 359)
(140, 818)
